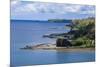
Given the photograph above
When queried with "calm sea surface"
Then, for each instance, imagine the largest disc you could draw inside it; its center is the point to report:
(31, 33)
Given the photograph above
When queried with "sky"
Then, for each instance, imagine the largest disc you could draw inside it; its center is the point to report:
(32, 10)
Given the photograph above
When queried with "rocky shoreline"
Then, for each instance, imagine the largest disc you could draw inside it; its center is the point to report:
(53, 47)
(81, 36)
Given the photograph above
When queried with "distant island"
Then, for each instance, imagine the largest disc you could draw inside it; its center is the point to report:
(59, 20)
(81, 35)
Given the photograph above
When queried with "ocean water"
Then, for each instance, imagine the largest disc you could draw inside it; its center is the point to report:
(31, 33)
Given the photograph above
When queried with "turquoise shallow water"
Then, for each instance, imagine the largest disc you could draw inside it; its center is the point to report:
(23, 33)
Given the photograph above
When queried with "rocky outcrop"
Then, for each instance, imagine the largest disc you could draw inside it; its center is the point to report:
(67, 35)
(63, 43)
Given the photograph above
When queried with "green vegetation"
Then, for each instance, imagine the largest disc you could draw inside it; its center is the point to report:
(85, 35)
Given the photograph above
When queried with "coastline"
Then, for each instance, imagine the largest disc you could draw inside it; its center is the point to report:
(64, 49)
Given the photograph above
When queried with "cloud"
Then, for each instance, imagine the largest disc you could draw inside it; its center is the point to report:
(24, 8)
(14, 2)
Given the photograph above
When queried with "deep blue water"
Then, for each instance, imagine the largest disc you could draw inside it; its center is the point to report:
(30, 33)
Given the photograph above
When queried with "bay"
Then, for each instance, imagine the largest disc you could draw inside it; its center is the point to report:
(31, 33)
